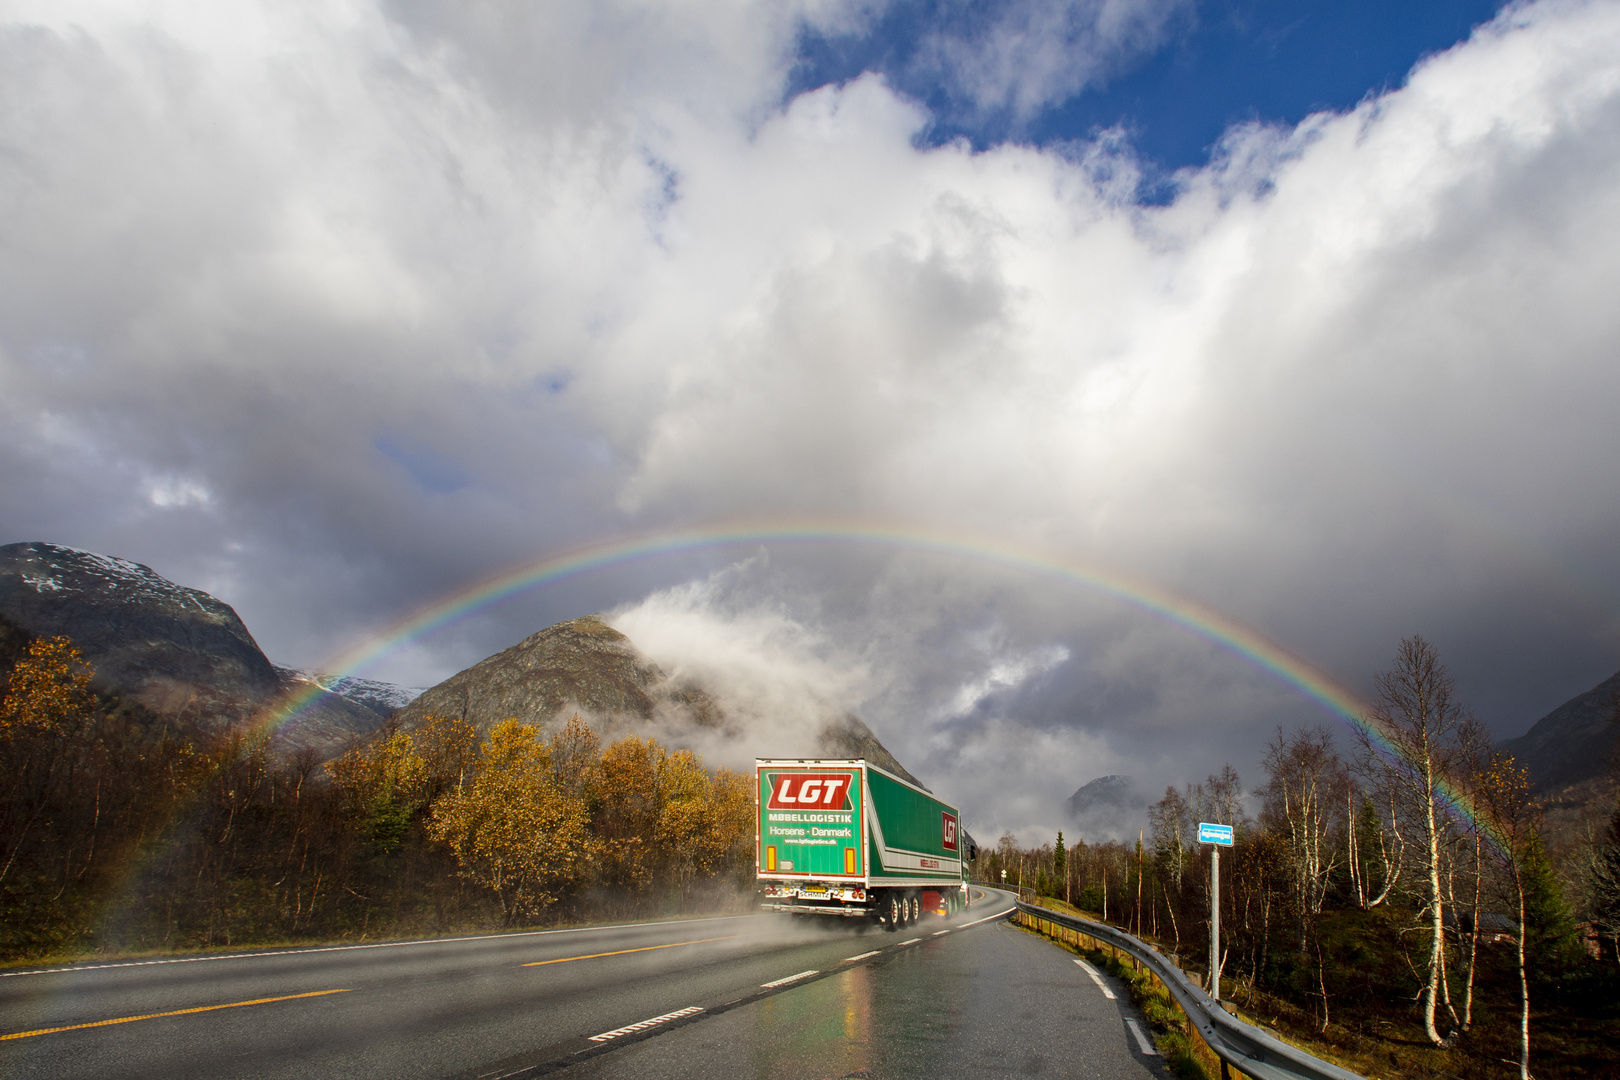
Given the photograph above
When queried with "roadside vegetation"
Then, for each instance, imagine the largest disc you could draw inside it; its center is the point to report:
(1394, 908)
(121, 836)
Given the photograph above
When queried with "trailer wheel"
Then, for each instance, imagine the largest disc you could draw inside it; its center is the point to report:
(913, 909)
(897, 913)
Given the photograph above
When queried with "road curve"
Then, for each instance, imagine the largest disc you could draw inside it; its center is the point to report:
(749, 995)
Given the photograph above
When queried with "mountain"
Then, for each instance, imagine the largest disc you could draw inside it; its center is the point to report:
(1108, 807)
(165, 651)
(175, 654)
(1572, 745)
(380, 697)
(587, 665)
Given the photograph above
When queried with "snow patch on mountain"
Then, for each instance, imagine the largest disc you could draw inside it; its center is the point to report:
(74, 570)
(380, 697)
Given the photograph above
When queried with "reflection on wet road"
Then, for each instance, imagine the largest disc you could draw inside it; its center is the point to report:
(748, 996)
(989, 1002)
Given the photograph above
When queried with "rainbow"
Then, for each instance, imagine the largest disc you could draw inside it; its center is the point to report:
(1148, 597)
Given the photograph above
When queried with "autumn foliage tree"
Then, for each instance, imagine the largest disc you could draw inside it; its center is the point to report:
(511, 825)
(84, 790)
(47, 702)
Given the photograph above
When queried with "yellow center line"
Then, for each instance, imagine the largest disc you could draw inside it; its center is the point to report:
(621, 952)
(176, 1012)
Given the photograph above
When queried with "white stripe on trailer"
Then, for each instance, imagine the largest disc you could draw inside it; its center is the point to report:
(690, 1010)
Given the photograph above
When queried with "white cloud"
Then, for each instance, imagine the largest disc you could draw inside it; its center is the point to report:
(1004, 673)
(176, 491)
(1027, 55)
(1356, 380)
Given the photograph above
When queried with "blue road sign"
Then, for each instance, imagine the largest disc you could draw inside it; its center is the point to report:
(1210, 833)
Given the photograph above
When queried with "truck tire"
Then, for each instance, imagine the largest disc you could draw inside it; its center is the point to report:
(896, 913)
(913, 909)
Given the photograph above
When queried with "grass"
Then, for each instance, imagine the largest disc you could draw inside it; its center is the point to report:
(1575, 1026)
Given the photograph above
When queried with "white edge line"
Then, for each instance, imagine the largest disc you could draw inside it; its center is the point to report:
(270, 953)
(1096, 978)
(863, 956)
(987, 918)
(1141, 1039)
(788, 979)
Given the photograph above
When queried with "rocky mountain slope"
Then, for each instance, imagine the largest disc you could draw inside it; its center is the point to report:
(586, 665)
(1108, 806)
(177, 654)
(1573, 743)
(165, 651)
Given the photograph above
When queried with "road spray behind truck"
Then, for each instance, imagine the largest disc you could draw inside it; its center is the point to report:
(849, 839)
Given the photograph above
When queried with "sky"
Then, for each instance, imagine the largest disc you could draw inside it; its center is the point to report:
(1304, 313)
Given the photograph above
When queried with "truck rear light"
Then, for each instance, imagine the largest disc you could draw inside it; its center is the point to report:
(849, 860)
(770, 858)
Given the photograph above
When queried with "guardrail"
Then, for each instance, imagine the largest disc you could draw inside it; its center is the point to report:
(1242, 1046)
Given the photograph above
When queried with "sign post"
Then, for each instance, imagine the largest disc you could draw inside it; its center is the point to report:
(1218, 836)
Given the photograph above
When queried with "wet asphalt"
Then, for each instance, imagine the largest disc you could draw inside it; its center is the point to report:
(675, 999)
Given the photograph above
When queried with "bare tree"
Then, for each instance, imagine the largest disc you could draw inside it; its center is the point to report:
(1424, 740)
(1170, 824)
(1505, 795)
(1374, 825)
(1303, 805)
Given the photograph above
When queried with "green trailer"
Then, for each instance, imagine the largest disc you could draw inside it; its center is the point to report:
(848, 839)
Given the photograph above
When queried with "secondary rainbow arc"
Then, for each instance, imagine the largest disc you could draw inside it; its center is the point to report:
(1151, 598)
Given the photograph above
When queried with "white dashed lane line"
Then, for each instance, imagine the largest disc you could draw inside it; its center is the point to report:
(939, 932)
(863, 956)
(790, 978)
(913, 941)
(1141, 1038)
(1096, 978)
(690, 1010)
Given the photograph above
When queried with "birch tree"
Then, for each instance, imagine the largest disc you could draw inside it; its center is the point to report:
(1304, 805)
(1424, 740)
(1505, 796)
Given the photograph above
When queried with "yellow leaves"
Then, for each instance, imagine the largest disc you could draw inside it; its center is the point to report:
(395, 776)
(627, 811)
(575, 757)
(448, 747)
(538, 820)
(512, 827)
(49, 690)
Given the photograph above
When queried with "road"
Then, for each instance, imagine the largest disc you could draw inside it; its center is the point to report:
(741, 996)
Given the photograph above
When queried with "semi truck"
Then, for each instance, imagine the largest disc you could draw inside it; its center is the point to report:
(848, 839)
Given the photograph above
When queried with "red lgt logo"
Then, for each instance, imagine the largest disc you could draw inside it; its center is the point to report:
(810, 791)
(948, 830)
